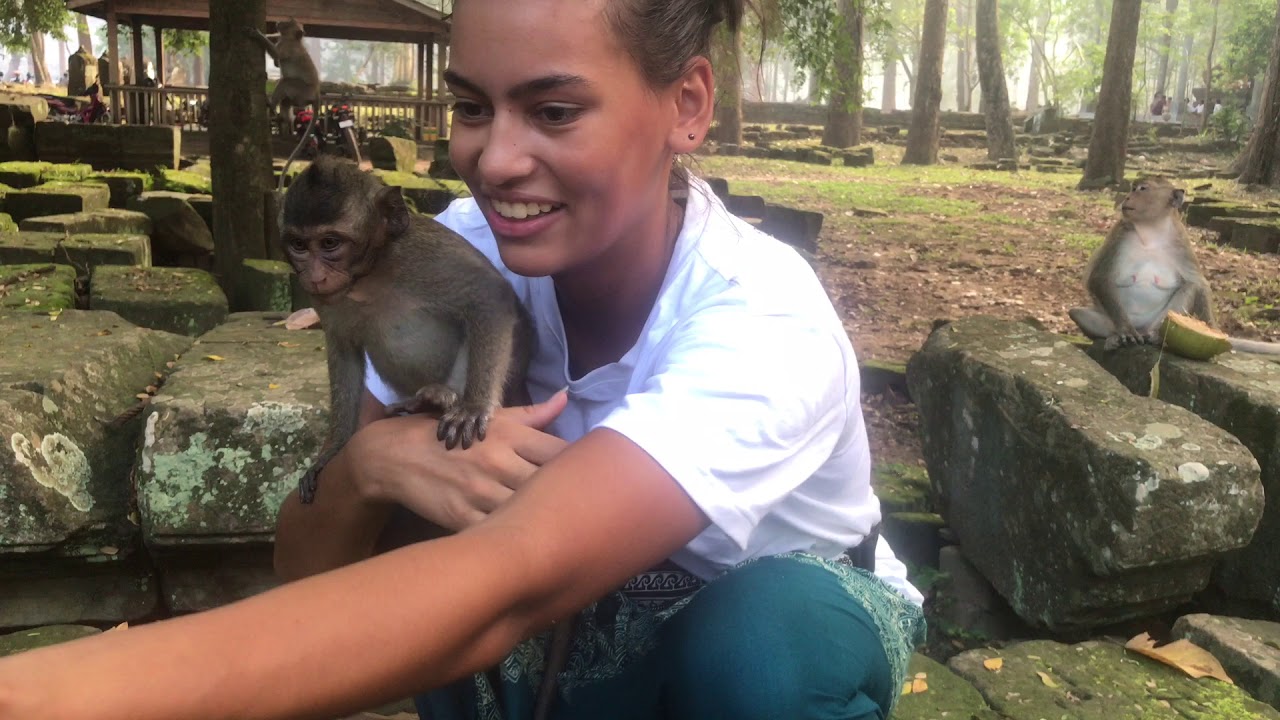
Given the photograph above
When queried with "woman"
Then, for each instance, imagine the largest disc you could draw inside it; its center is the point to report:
(687, 501)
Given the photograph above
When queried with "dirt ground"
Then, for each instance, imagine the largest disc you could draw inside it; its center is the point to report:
(902, 247)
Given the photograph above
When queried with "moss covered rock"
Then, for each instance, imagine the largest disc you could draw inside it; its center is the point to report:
(176, 300)
(39, 288)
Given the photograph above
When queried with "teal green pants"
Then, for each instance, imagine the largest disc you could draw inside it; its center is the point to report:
(781, 638)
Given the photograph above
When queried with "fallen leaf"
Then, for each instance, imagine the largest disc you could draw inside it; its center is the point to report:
(287, 344)
(121, 626)
(215, 358)
(1046, 679)
(1155, 381)
(302, 319)
(142, 396)
(103, 333)
(1184, 655)
(273, 386)
(994, 663)
(109, 550)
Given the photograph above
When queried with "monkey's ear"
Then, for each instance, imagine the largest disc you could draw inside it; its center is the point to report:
(390, 204)
(1178, 196)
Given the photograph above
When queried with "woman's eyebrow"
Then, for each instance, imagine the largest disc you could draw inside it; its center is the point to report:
(524, 89)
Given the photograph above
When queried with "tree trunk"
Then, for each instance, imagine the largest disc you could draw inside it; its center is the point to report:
(728, 59)
(1208, 71)
(1105, 164)
(889, 92)
(844, 113)
(1033, 80)
(1184, 68)
(922, 136)
(239, 139)
(82, 29)
(1260, 162)
(38, 68)
(995, 92)
(964, 91)
(1166, 45)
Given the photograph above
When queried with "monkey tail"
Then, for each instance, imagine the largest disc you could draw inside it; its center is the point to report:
(1255, 346)
(298, 148)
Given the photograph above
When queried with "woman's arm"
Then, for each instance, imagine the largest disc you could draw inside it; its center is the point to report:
(392, 625)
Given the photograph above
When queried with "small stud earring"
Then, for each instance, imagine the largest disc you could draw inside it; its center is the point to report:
(692, 136)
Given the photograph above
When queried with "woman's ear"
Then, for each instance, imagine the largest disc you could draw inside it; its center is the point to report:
(694, 96)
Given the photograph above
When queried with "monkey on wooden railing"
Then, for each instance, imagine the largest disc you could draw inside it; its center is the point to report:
(1146, 269)
(299, 83)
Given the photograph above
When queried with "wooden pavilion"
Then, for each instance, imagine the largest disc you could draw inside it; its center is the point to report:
(398, 21)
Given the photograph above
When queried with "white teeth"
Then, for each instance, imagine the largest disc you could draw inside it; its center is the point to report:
(520, 211)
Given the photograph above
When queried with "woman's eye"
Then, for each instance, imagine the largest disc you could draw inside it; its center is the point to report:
(468, 110)
(558, 114)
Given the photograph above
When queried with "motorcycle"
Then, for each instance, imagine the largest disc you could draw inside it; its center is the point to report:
(68, 110)
(341, 123)
(316, 141)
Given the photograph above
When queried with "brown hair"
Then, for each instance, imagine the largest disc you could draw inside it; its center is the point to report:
(662, 36)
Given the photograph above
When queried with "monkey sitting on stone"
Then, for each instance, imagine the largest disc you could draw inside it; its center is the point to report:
(1146, 269)
(437, 320)
(299, 84)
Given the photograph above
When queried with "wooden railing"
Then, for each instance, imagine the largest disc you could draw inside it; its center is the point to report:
(186, 107)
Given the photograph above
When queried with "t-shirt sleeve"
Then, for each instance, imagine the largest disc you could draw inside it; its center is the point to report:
(740, 409)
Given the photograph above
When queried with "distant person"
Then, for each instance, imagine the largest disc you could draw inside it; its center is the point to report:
(1158, 105)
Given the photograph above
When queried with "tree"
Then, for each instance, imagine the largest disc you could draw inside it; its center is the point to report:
(922, 135)
(1166, 44)
(844, 112)
(889, 92)
(727, 59)
(23, 25)
(1105, 163)
(995, 93)
(1260, 162)
(82, 29)
(1208, 72)
(239, 140)
(964, 56)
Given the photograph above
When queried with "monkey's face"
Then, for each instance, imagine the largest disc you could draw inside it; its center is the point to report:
(322, 258)
(1150, 200)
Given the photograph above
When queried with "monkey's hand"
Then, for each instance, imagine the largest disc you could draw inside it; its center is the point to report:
(464, 423)
(437, 397)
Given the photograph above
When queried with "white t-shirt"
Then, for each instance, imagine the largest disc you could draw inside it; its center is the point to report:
(743, 385)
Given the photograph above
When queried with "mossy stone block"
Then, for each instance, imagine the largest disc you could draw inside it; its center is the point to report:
(123, 185)
(203, 205)
(24, 640)
(66, 172)
(266, 286)
(110, 220)
(82, 251)
(56, 199)
(184, 181)
(177, 300)
(38, 288)
(18, 174)
(7, 225)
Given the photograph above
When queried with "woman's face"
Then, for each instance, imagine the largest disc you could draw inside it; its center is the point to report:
(555, 131)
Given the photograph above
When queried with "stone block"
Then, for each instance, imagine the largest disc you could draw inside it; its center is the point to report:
(111, 221)
(393, 153)
(102, 589)
(1261, 235)
(7, 225)
(19, 144)
(55, 199)
(83, 252)
(203, 205)
(1200, 213)
(184, 301)
(19, 175)
(1249, 650)
(66, 172)
(24, 640)
(430, 201)
(110, 147)
(228, 439)
(746, 206)
(1031, 445)
(1098, 680)
(1239, 393)
(184, 181)
(965, 599)
(178, 231)
(798, 228)
(65, 472)
(266, 286)
(40, 288)
(948, 696)
(441, 166)
(123, 185)
(195, 578)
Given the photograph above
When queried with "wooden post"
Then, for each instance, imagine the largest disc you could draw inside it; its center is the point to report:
(421, 77)
(113, 62)
(159, 38)
(440, 88)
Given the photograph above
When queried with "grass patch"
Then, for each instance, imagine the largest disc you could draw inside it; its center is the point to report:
(183, 181)
(1084, 241)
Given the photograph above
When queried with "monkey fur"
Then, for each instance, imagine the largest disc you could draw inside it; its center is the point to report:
(1145, 269)
(299, 83)
(437, 320)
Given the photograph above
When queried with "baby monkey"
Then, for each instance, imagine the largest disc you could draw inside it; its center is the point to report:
(436, 319)
(1144, 270)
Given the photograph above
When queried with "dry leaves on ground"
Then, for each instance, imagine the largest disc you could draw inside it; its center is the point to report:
(1181, 654)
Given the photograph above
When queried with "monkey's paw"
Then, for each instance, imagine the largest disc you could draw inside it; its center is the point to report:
(463, 424)
(438, 397)
(307, 485)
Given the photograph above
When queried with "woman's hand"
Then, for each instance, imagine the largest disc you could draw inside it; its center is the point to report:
(399, 460)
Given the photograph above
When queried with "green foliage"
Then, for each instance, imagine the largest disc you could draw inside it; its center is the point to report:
(811, 34)
(396, 127)
(1229, 124)
(1247, 43)
(20, 19)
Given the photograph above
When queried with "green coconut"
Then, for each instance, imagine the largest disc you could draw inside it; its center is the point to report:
(1192, 338)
